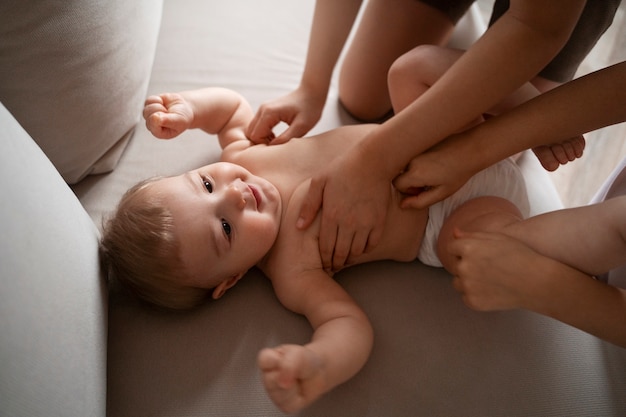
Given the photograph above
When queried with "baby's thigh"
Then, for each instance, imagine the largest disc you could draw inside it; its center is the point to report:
(386, 31)
(482, 214)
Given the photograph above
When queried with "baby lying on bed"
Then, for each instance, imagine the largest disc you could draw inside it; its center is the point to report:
(175, 240)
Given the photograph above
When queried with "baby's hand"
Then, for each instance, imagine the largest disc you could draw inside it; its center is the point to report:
(167, 115)
(293, 376)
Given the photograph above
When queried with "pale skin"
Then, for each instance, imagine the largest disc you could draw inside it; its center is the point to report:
(502, 60)
(385, 32)
(577, 107)
(565, 248)
(414, 73)
(294, 376)
(410, 77)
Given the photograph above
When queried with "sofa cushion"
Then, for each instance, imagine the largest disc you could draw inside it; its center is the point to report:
(79, 63)
(53, 323)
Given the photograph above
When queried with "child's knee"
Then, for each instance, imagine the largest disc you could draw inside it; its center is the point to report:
(482, 214)
(424, 62)
(411, 65)
(413, 73)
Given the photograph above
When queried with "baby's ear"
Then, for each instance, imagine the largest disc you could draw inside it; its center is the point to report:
(225, 285)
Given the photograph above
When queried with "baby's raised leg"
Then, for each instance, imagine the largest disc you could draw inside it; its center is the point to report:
(412, 74)
(482, 214)
(415, 72)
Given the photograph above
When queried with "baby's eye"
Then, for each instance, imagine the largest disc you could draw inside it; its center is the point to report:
(208, 185)
(226, 227)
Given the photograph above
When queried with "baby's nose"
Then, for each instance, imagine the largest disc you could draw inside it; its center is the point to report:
(236, 192)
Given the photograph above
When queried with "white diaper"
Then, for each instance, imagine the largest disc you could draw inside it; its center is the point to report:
(501, 180)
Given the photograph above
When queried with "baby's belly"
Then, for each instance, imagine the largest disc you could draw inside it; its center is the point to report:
(402, 238)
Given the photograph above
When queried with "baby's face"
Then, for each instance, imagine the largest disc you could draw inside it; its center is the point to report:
(225, 217)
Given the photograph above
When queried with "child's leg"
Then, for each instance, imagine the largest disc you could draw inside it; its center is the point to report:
(387, 30)
(543, 264)
(591, 238)
(415, 72)
(412, 74)
(482, 214)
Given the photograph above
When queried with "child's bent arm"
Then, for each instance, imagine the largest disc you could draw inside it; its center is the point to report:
(545, 263)
(497, 272)
(577, 107)
(577, 299)
(215, 110)
(589, 238)
(295, 376)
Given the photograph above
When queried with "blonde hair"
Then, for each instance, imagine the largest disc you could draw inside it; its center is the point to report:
(139, 249)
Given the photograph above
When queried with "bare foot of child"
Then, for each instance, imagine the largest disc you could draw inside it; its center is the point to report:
(555, 155)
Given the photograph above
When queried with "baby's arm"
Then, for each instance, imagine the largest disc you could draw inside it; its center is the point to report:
(295, 376)
(215, 110)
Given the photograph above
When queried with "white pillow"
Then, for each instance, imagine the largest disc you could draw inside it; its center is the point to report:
(53, 305)
(74, 73)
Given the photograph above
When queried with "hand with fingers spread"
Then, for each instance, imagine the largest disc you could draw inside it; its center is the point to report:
(167, 115)
(293, 376)
(300, 109)
(347, 230)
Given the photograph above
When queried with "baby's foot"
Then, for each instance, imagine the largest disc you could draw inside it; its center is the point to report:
(555, 155)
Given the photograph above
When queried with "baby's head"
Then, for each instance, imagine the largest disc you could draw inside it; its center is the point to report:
(173, 241)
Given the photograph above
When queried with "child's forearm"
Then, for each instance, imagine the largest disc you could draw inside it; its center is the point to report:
(503, 59)
(332, 22)
(591, 238)
(575, 108)
(343, 345)
(295, 376)
(574, 298)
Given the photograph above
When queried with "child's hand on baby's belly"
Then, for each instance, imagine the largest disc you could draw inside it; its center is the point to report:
(293, 376)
